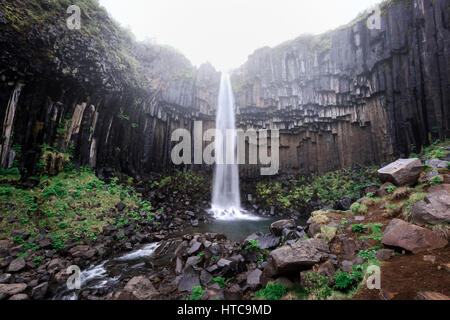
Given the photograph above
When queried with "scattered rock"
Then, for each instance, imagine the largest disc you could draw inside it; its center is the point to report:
(432, 296)
(277, 227)
(234, 293)
(412, 238)
(384, 254)
(82, 251)
(12, 289)
(189, 280)
(402, 172)
(195, 247)
(141, 288)
(254, 279)
(431, 259)
(39, 292)
(267, 241)
(434, 209)
(19, 297)
(17, 265)
(120, 206)
(347, 266)
(5, 277)
(382, 192)
(437, 163)
(303, 254)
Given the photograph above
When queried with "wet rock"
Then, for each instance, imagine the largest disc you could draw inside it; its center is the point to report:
(266, 241)
(254, 279)
(277, 227)
(16, 265)
(141, 288)
(403, 172)
(39, 292)
(412, 238)
(12, 289)
(434, 209)
(188, 280)
(301, 255)
(385, 254)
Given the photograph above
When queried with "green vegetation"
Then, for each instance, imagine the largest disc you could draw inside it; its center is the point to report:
(345, 281)
(317, 286)
(376, 233)
(359, 228)
(253, 245)
(220, 281)
(197, 293)
(358, 208)
(273, 291)
(327, 188)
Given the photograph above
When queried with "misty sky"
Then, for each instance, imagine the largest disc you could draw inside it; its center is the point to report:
(225, 32)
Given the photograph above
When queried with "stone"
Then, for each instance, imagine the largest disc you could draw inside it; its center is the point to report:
(39, 292)
(223, 263)
(12, 289)
(435, 163)
(5, 277)
(403, 172)
(266, 241)
(349, 248)
(193, 261)
(55, 265)
(385, 254)
(188, 280)
(434, 209)
(20, 233)
(326, 269)
(432, 296)
(254, 279)
(382, 191)
(120, 206)
(16, 265)
(141, 288)
(82, 251)
(195, 248)
(347, 266)
(277, 227)
(301, 255)
(441, 187)
(431, 259)
(19, 297)
(205, 277)
(234, 293)
(285, 282)
(412, 238)
(446, 267)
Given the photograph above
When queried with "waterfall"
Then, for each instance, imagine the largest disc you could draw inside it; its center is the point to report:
(226, 199)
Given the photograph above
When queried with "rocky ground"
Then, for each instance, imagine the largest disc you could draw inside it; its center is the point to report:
(401, 226)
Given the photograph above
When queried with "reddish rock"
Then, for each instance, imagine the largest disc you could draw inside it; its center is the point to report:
(434, 209)
(412, 238)
(432, 296)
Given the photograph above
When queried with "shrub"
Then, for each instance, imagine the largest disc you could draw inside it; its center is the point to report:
(273, 291)
(345, 281)
(318, 286)
(390, 189)
(358, 208)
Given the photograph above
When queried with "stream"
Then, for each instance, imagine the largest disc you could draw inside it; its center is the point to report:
(107, 275)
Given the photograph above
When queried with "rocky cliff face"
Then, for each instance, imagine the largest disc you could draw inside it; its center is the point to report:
(354, 95)
(93, 94)
(97, 97)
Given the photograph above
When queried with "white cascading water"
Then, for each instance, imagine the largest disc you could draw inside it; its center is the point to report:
(226, 200)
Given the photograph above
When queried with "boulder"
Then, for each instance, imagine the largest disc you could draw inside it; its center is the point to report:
(266, 241)
(277, 227)
(300, 255)
(403, 172)
(412, 238)
(16, 265)
(141, 288)
(434, 209)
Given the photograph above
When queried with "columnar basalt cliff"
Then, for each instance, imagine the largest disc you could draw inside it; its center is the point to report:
(96, 96)
(354, 95)
(94, 93)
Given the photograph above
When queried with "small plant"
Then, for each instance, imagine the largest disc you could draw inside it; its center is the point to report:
(318, 286)
(38, 260)
(436, 181)
(201, 255)
(273, 291)
(390, 189)
(220, 281)
(345, 281)
(371, 195)
(376, 233)
(197, 293)
(253, 245)
(358, 208)
(359, 228)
